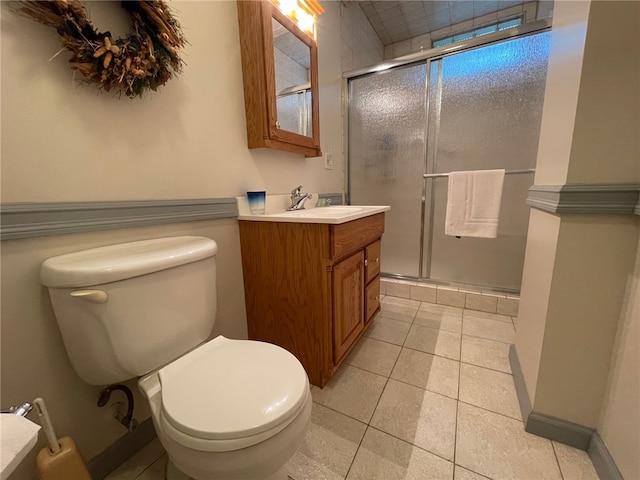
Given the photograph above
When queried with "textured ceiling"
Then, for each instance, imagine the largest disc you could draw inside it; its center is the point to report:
(397, 21)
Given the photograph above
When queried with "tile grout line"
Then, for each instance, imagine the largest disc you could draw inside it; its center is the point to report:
(455, 431)
(555, 454)
(437, 355)
(164, 470)
(372, 413)
(519, 420)
(368, 424)
(388, 378)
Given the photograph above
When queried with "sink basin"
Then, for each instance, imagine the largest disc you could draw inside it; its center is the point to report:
(336, 211)
(334, 214)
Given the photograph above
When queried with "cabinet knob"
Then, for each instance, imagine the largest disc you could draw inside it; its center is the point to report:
(366, 262)
(377, 259)
(278, 125)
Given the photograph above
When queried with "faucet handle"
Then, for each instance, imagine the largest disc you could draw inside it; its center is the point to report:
(297, 190)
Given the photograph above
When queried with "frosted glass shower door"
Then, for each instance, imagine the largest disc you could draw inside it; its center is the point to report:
(485, 113)
(387, 118)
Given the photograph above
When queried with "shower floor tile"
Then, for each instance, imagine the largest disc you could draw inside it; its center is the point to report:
(418, 401)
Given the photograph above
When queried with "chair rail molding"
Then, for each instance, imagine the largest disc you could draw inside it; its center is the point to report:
(36, 219)
(594, 199)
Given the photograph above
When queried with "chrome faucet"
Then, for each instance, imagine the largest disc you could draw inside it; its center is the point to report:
(298, 199)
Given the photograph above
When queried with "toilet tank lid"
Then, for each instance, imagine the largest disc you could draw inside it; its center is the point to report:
(126, 260)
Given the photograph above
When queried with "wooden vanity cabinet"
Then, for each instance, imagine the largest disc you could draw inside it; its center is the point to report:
(312, 288)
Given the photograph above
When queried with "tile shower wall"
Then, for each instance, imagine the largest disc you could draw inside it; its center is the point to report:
(361, 46)
(530, 11)
(494, 303)
(290, 72)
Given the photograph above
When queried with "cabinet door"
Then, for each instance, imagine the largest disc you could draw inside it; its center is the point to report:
(348, 303)
(372, 260)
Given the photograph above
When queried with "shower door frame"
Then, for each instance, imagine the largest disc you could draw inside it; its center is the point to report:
(427, 57)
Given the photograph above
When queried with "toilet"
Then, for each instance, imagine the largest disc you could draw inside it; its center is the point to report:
(222, 409)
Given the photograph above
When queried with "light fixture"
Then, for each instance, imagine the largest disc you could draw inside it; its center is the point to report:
(303, 13)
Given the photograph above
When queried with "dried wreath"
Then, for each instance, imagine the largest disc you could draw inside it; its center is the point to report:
(145, 59)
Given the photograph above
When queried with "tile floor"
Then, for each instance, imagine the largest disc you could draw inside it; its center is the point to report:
(426, 394)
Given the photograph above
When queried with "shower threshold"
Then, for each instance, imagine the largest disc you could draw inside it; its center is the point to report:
(471, 297)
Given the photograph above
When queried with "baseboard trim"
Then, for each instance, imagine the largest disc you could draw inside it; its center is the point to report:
(602, 460)
(544, 425)
(124, 448)
(562, 431)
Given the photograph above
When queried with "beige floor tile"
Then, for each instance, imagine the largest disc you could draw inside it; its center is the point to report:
(464, 474)
(489, 389)
(388, 330)
(139, 462)
(439, 316)
(575, 464)
(156, 471)
(498, 447)
(328, 448)
(485, 353)
(383, 457)
(489, 329)
(430, 340)
(399, 308)
(433, 373)
(486, 316)
(374, 356)
(351, 391)
(420, 417)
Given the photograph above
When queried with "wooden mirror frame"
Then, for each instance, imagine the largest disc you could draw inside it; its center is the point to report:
(259, 80)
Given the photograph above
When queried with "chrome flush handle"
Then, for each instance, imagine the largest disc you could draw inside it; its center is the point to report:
(93, 296)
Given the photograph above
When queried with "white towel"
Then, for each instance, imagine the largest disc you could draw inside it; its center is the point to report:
(473, 203)
(18, 436)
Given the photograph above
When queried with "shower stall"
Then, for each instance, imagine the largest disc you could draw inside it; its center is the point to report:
(478, 107)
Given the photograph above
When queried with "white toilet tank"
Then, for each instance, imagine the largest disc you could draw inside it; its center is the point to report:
(125, 310)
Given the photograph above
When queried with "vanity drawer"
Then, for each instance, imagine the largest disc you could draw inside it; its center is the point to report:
(372, 261)
(372, 299)
(349, 237)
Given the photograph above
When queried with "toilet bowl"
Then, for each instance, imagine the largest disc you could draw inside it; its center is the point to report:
(230, 409)
(223, 409)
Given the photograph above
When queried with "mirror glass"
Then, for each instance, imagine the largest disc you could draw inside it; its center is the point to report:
(293, 81)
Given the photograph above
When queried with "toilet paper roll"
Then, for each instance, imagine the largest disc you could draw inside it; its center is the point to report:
(18, 435)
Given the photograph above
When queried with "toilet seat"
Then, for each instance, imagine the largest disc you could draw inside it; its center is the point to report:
(231, 394)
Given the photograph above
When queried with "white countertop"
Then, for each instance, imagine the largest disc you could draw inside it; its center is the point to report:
(334, 214)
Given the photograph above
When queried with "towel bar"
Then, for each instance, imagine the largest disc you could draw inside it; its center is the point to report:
(508, 172)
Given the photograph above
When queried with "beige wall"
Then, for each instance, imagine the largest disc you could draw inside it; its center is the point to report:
(594, 258)
(65, 142)
(561, 95)
(539, 259)
(578, 314)
(619, 424)
(606, 137)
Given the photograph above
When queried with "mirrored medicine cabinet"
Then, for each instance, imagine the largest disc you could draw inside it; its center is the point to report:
(280, 77)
